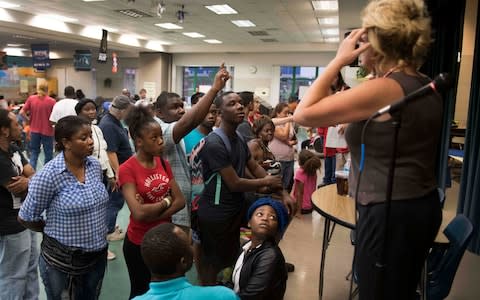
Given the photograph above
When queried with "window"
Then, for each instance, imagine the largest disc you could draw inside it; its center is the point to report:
(294, 77)
(199, 79)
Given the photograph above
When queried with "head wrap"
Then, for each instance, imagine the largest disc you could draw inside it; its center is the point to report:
(281, 211)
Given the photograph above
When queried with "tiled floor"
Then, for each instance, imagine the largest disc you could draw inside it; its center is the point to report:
(301, 246)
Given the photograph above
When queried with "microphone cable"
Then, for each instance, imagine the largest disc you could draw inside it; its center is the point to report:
(360, 172)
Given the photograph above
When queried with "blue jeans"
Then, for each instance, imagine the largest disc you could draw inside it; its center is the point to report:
(114, 205)
(18, 266)
(85, 287)
(330, 165)
(47, 143)
(287, 174)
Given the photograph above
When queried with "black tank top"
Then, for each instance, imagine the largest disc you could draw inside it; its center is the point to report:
(418, 139)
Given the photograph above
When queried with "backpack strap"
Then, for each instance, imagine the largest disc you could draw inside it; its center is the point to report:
(218, 186)
(163, 164)
(226, 141)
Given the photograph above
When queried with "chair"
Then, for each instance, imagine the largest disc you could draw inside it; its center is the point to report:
(443, 261)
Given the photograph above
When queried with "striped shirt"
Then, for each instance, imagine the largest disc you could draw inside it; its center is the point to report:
(75, 211)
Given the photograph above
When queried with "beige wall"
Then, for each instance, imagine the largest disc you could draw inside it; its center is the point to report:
(466, 64)
(156, 68)
(91, 82)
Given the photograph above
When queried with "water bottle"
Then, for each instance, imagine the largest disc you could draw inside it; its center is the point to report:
(346, 166)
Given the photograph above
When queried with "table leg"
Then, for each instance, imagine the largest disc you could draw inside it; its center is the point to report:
(326, 231)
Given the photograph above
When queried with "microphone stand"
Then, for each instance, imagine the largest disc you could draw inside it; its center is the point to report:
(381, 264)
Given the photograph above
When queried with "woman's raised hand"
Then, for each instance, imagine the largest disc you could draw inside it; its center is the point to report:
(346, 52)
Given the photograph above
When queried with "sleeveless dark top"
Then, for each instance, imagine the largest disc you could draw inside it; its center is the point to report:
(418, 139)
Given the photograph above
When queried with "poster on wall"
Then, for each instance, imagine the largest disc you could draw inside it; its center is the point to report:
(151, 89)
(41, 56)
(82, 60)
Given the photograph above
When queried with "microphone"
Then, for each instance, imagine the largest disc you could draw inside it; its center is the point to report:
(441, 83)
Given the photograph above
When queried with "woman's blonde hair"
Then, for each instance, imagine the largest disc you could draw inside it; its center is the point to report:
(398, 30)
(42, 89)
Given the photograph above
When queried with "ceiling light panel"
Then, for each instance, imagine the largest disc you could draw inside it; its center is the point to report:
(4, 4)
(93, 0)
(330, 32)
(14, 51)
(169, 26)
(193, 34)
(212, 41)
(60, 18)
(48, 23)
(328, 21)
(243, 23)
(325, 5)
(333, 39)
(223, 9)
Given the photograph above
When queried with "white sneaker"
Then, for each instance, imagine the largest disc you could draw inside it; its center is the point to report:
(117, 235)
(111, 255)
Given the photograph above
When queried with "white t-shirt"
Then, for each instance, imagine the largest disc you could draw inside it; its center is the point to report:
(63, 108)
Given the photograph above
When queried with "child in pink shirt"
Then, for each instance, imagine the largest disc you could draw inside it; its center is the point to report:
(306, 180)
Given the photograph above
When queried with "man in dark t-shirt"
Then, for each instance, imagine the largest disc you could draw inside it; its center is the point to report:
(220, 222)
(18, 246)
(244, 128)
(118, 151)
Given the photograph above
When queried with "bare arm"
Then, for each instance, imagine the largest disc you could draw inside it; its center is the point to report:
(255, 151)
(144, 212)
(193, 117)
(34, 226)
(283, 133)
(280, 121)
(19, 184)
(23, 113)
(113, 159)
(238, 184)
(178, 201)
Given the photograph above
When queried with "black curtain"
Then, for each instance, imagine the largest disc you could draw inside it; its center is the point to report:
(469, 198)
(447, 24)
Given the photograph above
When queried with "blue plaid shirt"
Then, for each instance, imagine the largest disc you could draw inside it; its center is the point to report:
(75, 211)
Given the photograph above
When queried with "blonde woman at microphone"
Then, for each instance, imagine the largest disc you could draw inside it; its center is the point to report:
(393, 40)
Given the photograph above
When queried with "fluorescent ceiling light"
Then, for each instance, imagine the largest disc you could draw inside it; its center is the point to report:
(325, 5)
(14, 51)
(60, 18)
(53, 55)
(168, 26)
(213, 41)
(156, 45)
(328, 21)
(49, 24)
(243, 23)
(14, 45)
(129, 40)
(6, 16)
(330, 32)
(93, 0)
(223, 9)
(95, 31)
(332, 39)
(193, 34)
(4, 4)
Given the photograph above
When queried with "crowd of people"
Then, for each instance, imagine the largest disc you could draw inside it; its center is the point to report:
(193, 177)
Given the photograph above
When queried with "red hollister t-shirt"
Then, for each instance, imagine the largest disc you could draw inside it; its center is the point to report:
(152, 185)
